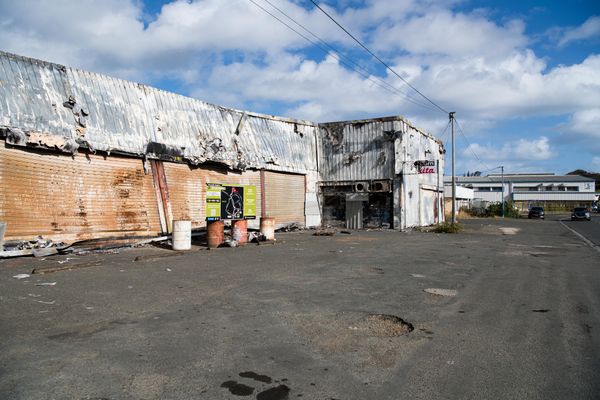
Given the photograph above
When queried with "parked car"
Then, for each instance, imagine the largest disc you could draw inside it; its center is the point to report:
(536, 212)
(580, 213)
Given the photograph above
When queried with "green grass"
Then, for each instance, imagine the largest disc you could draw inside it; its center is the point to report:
(447, 227)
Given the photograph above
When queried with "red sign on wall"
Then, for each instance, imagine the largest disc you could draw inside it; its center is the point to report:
(425, 166)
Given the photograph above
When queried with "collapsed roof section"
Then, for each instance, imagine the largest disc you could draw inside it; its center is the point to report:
(51, 106)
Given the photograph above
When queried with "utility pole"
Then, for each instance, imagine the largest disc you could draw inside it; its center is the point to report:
(502, 169)
(451, 116)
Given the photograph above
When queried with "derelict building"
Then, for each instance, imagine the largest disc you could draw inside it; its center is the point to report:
(86, 156)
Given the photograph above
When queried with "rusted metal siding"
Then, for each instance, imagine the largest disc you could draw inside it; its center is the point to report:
(71, 199)
(357, 150)
(284, 197)
(187, 189)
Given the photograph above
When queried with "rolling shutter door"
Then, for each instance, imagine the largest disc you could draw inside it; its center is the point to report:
(284, 197)
(187, 189)
(70, 199)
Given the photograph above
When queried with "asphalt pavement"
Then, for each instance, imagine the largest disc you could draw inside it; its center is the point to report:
(589, 229)
(506, 309)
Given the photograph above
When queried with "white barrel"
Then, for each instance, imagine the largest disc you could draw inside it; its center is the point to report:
(267, 227)
(2, 230)
(182, 235)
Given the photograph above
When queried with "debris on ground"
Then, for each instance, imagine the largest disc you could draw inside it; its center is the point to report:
(21, 276)
(37, 243)
(69, 267)
(417, 276)
(346, 232)
(293, 227)
(441, 292)
(324, 232)
(153, 257)
(256, 237)
(15, 253)
(45, 284)
(46, 302)
(101, 251)
(46, 251)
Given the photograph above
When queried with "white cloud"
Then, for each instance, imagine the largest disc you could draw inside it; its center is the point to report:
(231, 52)
(586, 122)
(537, 149)
(589, 29)
(457, 35)
(520, 150)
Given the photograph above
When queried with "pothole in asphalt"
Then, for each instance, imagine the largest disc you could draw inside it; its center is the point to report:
(383, 325)
(509, 231)
(441, 292)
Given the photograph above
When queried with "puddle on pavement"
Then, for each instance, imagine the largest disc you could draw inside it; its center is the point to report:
(280, 392)
(256, 377)
(238, 389)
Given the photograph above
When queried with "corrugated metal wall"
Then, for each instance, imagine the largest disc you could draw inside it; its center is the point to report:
(75, 198)
(187, 189)
(284, 197)
(357, 150)
(32, 93)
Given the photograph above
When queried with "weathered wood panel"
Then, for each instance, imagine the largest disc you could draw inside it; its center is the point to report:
(75, 198)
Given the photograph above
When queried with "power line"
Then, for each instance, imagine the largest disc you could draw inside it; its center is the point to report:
(445, 130)
(379, 59)
(338, 56)
(354, 64)
(470, 147)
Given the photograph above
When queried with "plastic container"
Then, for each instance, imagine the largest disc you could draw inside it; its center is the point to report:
(182, 235)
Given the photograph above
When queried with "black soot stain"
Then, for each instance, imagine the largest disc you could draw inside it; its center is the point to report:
(238, 389)
(280, 392)
(256, 377)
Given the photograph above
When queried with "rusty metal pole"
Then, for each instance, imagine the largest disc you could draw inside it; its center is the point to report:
(451, 116)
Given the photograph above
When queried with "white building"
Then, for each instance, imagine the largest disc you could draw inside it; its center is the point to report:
(560, 192)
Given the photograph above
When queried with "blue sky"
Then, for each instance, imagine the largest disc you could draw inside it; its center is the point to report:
(522, 76)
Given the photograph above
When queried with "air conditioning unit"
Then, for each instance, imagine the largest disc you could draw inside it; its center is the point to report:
(380, 186)
(360, 187)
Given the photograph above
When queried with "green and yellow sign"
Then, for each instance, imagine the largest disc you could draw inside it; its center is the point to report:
(230, 202)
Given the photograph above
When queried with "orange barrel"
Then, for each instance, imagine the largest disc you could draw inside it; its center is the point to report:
(239, 231)
(267, 227)
(215, 233)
